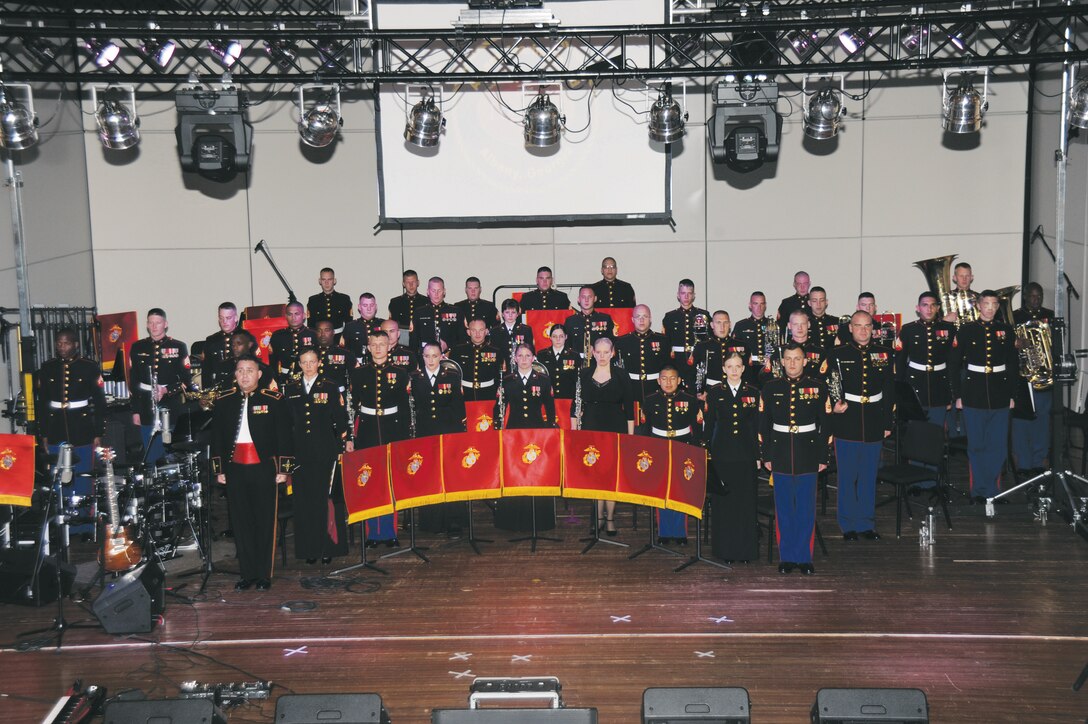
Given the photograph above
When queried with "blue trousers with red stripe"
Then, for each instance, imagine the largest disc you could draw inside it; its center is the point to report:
(987, 448)
(795, 516)
(1031, 438)
(857, 463)
(382, 528)
(671, 524)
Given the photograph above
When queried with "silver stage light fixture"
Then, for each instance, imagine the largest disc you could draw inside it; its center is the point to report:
(425, 123)
(543, 123)
(18, 122)
(854, 39)
(42, 49)
(226, 50)
(912, 38)
(118, 124)
(666, 118)
(319, 124)
(282, 51)
(823, 114)
(963, 106)
(802, 42)
(161, 52)
(961, 34)
(102, 52)
(1078, 105)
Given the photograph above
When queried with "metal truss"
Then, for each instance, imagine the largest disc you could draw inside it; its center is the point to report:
(335, 41)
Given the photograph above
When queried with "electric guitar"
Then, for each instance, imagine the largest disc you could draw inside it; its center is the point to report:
(119, 551)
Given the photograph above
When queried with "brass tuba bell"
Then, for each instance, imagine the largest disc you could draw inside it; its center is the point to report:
(938, 274)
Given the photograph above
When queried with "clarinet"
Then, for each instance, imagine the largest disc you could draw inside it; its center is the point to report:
(350, 408)
(501, 405)
(586, 348)
(578, 400)
(411, 414)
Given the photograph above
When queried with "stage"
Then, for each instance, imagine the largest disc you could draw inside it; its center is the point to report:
(989, 622)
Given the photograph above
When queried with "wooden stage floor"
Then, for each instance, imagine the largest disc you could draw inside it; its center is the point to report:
(990, 623)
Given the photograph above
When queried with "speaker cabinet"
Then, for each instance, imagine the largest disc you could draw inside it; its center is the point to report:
(708, 705)
(128, 603)
(164, 711)
(17, 569)
(870, 706)
(514, 716)
(323, 708)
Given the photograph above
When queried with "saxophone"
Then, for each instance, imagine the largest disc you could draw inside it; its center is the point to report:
(205, 398)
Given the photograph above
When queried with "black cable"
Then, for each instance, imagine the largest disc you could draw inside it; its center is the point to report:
(589, 112)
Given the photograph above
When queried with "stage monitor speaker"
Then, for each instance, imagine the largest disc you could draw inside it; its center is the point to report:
(164, 711)
(707, 705)
(127, 604)
(17, 569)
(870, 706)
(323, 708)
(514, 716)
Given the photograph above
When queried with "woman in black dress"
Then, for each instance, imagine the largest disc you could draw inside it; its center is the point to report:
(607, 405)
(733, 414)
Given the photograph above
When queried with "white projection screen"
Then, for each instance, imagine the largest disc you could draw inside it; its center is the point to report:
(604, 168)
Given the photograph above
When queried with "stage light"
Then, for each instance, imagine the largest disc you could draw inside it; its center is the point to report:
(225, 50)
(543, 123)
(912, 37)
(41, 49)
(18, 122)
(425, 123)
(103, 52)
(961, 34)
(319, 124)
(1020, 34)
(214, 137)
(666, 118)
(1078, 105)
(282, 51)
(854, 39)
(964, 106)
(823, 114)
(802, 42)
(745, 129)
(159, 51)
(329, 51)
(118, 124)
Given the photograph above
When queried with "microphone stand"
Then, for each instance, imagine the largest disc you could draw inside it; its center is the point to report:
(263, 249)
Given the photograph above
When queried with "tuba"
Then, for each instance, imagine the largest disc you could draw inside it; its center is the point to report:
(1036, 355)
(1004, 299)
(938, 274)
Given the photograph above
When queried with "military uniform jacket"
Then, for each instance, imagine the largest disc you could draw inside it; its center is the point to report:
(70, 400)
(733, 422)
(319, 421)
(643, 355)
(335, 307)
(481, 367)
(402, 356)
(1042, 314)
(983, 365)
(684, 328)
(440, 408)
(596, 324)
(826, 329)
(816, 365)
(380, 396)
(754, 332)
(218, 362)
(168, 359)
(922, 360)
(678, 416)
(403, 308)
(616, 294)
(562, 370)
(269, 426)
(505, 340)
(287, 344)
(472, 309)
(433, 323)
(336, 362)
(794, 424)
(529, 403)
(356, 333)
(267, 380)
(551, 299)
(788, 306)
(868, 386)
(713, 352)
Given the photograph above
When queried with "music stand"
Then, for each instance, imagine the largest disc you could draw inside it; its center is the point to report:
(364, 563)
(653, 544)
(412, 547)
(472, 540)
(533, 536)
(595, 535)
(698, 557)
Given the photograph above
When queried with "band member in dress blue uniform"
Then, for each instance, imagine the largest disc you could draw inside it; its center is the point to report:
(166, 361)
(319, 424)
(922, 358)
(985, 353)
(439, 409)
(825, 327)
(399, 354)
(1031, 437)
(379, 392)
(861, 421)
(335, 361)
(329, 304)
(644, 353)
(732, 423)
(753, 329)
(587, 325)
(251, 454)
(962, 278)
(544, 296)
(712, 352)
(71, 402)
(685, 327)
(509, 333)
(357, 330)
(562, 364)
(797, 300)
(677, 415)
(217, 365)
(473, 306)
(815, 355)
(403, 308)
(481, 364)
(288, 343)
(437, 321)
(613, 293)
(794, 434)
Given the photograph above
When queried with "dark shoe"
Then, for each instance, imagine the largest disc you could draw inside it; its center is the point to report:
(664, 541)
(311, 561)
(849, 536)
(807, 569)
(454, 531)
(371, 543)
(978, 500)
(728, 561)
(326, 560)
(785, 567)
(228, 533)
(610, 530)
(264, 584)
(392, 543)
(869, 535)
(1002, 501)
(683, 541)
(243, 584)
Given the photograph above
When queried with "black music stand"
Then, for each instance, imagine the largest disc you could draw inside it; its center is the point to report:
(364, 563)
(653, 544)
(534, 536)
(698, 557)
(472, 540)
(595, 534)
(412, 547)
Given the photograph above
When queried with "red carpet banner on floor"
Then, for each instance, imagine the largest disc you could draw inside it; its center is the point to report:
(486, 465)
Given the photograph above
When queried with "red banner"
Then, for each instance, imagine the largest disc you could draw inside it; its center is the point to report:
(590, 464)
(262, 329)
(367, 489)
(470, 466)
(531, 462)
(687, 479)
(117, 332)
(479, 415)
(265, 311)
(896, 319)
(541, 321)
(563, 412)
(16, 469)
(415, 469)
(644, 470)
(621, 320)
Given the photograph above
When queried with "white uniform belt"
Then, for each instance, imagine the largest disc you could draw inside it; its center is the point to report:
(794, 428)
(756, 358)
(926, 368)
(985, 368)
(339, 329)
(379, 412)
(681, 348)
(651, 376)
(477, 385)
(712, 383)
(670, 433)
(72, 405)
(862, 398)
(146, 387)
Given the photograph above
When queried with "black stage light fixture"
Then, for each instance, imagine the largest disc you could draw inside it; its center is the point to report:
(745, 128)
(870, 706)
(214, 137)
(696, 705)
